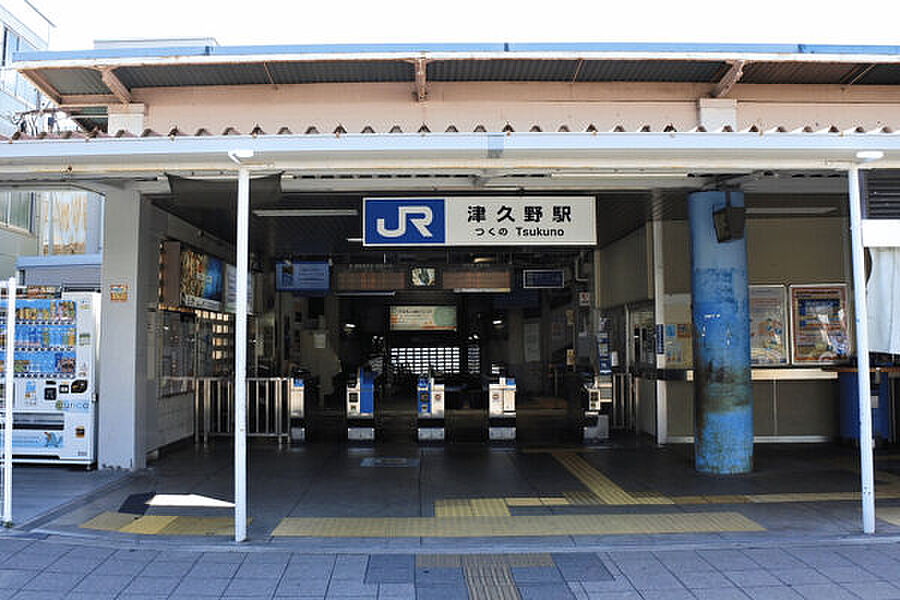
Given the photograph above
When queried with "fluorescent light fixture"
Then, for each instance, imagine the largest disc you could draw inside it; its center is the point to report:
(306, 212)
(240, 154)
(613, 175)
(791, 210)
(869, 155)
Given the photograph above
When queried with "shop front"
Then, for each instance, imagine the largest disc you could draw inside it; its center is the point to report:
(537, 283)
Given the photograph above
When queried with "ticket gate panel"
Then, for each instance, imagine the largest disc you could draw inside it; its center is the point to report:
(502, 409)
(297, 409)
(360, 400)
(596, 415)
(430, 398)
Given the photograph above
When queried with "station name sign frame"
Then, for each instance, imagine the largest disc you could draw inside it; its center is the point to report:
(480, 221)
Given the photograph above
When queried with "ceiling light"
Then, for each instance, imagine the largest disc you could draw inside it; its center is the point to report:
(791, 210)
(306, 212)
(869, 155)
(612, 175)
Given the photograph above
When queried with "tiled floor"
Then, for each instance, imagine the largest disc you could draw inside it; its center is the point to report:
(54, 568)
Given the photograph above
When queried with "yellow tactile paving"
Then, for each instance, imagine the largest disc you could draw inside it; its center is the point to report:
(554, 501)
(161, 524)
(199, 526)
(523, 502)
(543, 525)
(489, 581)
(489, 507)
(453, 507)
(580, 498)
(601, 486)
(148, 525)
(110, 521)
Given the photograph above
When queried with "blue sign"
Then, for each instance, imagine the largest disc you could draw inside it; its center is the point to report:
(404, 221)
(303, 276)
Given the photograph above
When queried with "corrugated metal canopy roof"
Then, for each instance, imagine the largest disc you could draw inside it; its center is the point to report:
(77, 73)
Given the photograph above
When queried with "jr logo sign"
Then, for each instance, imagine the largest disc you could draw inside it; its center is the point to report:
(403, 221)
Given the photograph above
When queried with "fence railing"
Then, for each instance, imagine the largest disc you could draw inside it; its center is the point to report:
(267, 408)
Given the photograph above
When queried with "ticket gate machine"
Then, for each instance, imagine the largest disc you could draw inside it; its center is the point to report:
(502, 409)
(430, 408)
(297, 409)
(361, 406)
(596, 414)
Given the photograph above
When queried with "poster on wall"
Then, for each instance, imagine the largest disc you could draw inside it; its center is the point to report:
(678, 345)
(423, 318)
(230, 293)
(768, 331)
(201, 280)
(819, 326)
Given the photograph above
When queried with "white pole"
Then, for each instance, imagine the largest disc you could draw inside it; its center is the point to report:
(861, 319)
(8, 408)
(240, 358)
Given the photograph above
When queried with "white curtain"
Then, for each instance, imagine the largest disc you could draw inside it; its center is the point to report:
(883, 301)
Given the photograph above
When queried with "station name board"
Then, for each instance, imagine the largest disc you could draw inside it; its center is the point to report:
(480, 221)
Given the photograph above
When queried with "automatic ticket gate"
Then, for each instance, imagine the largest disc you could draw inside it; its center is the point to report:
(430, 410)
(502, 409)
(596, 413)
(361, 406)
(297, 409)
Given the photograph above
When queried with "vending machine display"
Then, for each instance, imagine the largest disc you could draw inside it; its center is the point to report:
(297, 407)
(430, 400)
(54, 407)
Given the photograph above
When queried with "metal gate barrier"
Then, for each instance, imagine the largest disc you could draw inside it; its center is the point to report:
(623, 407)
(267, 408)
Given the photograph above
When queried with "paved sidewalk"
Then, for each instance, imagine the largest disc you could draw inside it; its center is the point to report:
(49, 568)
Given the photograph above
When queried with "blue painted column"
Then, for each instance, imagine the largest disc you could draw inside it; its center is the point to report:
(723, 404)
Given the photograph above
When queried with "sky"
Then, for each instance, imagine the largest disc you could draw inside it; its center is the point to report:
(231, 22)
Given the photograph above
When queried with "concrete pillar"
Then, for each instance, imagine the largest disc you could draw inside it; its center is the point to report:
(123, 334)
(723, 404)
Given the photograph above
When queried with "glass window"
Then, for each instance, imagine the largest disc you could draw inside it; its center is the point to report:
(4, 206)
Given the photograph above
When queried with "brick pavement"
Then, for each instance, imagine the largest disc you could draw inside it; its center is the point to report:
(51, 568)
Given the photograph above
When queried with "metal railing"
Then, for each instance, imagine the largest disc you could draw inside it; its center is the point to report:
(267, 408)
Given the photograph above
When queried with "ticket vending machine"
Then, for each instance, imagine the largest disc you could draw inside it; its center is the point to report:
(596, 414)
(430, 400)
(297, 409)
(502, 409)
(55, 403)
(361, 406)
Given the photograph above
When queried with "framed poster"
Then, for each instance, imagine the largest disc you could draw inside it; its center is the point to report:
(768, 325)
(819, 324)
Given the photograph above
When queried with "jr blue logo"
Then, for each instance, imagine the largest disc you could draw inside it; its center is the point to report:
(403, 222)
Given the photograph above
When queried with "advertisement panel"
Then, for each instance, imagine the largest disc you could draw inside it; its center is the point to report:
(768, 319)
(480, 221)
(201, 280)
(423, 318)
(819, 327)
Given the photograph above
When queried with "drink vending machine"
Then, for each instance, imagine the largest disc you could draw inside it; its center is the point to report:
(361, 406)
(502, 409)
(430, 400)
(55, 378)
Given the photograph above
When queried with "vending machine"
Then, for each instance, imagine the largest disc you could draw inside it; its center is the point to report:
(55, 378)
(502, 409)
(430, 400)
(361, 406)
